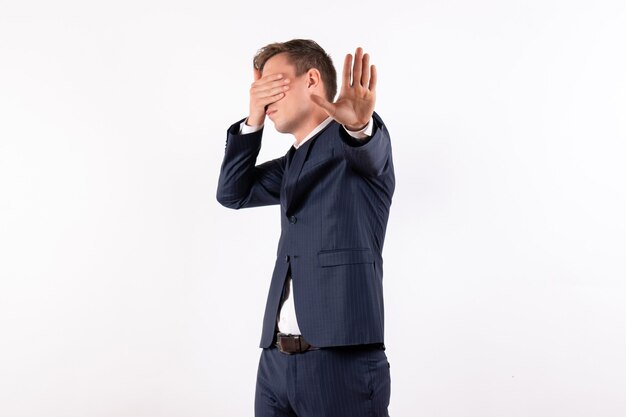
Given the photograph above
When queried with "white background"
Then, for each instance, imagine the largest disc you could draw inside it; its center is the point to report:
(126, 290)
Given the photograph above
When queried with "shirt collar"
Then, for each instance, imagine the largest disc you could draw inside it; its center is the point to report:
(314, 132)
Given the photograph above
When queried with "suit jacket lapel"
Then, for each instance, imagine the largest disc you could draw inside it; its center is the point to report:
(294, 167)
(293, 171)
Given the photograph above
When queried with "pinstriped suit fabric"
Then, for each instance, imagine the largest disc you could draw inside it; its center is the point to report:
(334, 194)
(330, 382)
(334, 199)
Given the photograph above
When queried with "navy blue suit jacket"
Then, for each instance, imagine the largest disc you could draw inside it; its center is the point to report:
(334, 194)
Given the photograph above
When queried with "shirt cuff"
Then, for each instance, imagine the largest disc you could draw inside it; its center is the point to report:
(366, 132)
(245, 129)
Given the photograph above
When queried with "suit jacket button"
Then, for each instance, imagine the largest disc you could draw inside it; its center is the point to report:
(292, 219)
(286, 258)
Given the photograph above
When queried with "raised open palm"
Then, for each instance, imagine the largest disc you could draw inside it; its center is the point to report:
(355, 105)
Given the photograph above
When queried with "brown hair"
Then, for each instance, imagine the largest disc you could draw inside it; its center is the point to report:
(304, 54)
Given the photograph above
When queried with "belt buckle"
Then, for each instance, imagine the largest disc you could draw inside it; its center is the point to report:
(289, 344)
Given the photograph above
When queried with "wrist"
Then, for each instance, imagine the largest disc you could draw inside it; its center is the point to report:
(255, 120)
(356, 128)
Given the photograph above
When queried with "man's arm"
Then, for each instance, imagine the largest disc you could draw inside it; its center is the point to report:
(242, 183)
(368, 155)
(354, 109)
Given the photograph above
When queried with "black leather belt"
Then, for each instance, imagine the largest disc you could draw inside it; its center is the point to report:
(291, 344)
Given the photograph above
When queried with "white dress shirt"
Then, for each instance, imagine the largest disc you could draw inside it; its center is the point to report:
(287, 322)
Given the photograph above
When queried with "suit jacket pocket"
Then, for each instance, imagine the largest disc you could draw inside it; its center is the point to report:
(345, 257)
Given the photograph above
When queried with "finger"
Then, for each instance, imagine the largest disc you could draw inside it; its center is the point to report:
(272, 91)
(271, 99)
(365, 78)
(324, 104)
(272, 84)
(358, 65)
(347, 65)
(272, 77)
(267, 79)
(373, 79)
(263, 89)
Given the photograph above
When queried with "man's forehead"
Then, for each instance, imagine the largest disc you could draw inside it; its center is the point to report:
(279, 63)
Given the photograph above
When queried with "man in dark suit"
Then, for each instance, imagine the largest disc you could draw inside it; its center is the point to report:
(323, 331)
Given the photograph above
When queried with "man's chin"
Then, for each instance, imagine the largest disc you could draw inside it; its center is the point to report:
(280, 128)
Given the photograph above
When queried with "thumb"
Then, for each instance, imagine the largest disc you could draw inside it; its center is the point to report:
(324, 104)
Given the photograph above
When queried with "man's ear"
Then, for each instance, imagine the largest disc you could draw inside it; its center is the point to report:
(313, 79)
(314, 83)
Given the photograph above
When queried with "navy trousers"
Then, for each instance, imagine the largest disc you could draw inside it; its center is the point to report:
(329, 382)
